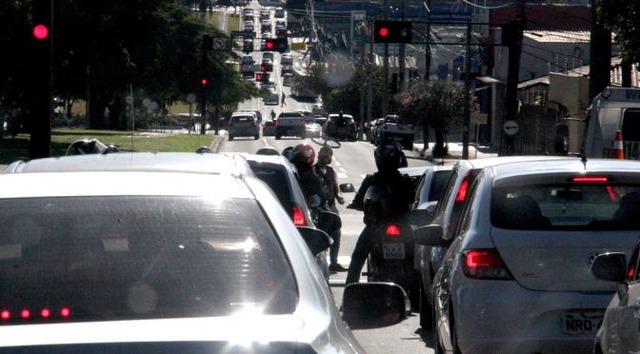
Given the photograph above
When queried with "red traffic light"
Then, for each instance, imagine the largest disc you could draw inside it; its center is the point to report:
(383, 31)
(269, 44)
(40, 31)
(263, 68)
(259, 77)
(203, 82)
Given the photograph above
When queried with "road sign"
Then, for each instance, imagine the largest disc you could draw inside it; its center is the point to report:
(510, 127)
(220, 43)
(248, 34)
(449, 17)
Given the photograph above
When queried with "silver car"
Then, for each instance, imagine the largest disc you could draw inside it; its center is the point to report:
(516, 276)
(619, 330)
(124, 258)
(243, 124)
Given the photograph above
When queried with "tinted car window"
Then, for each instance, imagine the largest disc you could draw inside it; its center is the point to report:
(565, 205)
(440, 178)
(111, 258)
(242, 119)
(274, 178)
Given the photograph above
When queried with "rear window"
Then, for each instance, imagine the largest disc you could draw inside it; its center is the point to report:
(440, 179)
(572, 206)
(112, 258)
(290, 115)
(242, 119)
(276, 179)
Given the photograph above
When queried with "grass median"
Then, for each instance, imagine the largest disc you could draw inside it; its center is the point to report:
(17, 148)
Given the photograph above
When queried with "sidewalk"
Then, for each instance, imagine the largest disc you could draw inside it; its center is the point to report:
(455, 152)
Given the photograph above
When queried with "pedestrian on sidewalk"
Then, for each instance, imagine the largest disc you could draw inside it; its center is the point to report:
(283, 100)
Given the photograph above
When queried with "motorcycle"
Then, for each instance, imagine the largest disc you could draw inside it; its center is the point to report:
(391, 258)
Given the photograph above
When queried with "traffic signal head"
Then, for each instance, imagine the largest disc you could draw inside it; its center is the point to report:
(282, 44)
(269, 44)
(386, 31)
(40, 31)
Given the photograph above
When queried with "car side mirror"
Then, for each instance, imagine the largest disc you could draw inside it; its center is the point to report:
(430, 235)
(612, 267)
(347, 188)
(316, 239)
(374, 305)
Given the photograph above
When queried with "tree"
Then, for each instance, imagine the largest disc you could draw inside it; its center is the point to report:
(437, 104)
(621, 17)
(103, 48)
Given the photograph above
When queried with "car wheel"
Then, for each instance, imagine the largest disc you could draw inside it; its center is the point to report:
(230, 137)
(426, 311)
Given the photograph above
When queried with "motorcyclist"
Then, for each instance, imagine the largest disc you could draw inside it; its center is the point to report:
(389, 157)
(332, 191)
(303, 157)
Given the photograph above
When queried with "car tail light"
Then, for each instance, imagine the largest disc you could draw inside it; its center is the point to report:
(392, 230)
(484, 264)
(27, 314)
(590, 179)
(462, 191)
(298, 216)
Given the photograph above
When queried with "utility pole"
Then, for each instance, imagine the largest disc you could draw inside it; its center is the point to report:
(467, 95)
(427, 48)
(515, 49)
(600, 56)
(401, 57)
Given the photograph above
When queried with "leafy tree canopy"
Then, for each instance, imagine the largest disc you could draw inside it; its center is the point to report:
(621, 18)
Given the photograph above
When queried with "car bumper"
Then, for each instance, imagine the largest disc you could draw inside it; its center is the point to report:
(495, 316)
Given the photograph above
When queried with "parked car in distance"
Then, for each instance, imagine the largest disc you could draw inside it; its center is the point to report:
(279, 13)
(243, 124)
(619, 330)
(164, 265)
(287, 79)
(291, 123)
(522, 251)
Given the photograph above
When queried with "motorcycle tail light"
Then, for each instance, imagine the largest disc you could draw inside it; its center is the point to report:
(484, 264)
(392, 230)
(298, 216)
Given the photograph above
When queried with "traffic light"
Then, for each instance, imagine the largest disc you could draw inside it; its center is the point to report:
(259, 76)
(41, 19)
(386, 31)
(203, 82)
(282, 44)
(269, 44)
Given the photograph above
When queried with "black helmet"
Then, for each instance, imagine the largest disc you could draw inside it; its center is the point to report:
(203, 150)
(388, 155)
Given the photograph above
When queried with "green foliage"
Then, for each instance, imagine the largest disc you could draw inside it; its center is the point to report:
(105, 47)
(621, 18)
(439, 104)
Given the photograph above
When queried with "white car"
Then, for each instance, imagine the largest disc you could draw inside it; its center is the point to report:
(516, 276)
(178, 253)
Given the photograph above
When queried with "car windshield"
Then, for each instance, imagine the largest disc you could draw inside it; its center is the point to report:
(112, 258)
(564, 206)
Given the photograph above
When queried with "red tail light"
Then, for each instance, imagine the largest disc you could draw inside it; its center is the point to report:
(484, 264)
(462, 191)
(590, 179)
(26, 314)
(298, 216)
(392, 230)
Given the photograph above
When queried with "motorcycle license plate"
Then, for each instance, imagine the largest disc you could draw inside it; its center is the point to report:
(393, 250)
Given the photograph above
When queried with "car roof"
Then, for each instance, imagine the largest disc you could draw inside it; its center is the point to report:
(105, 183)
(500, 160)
(568, 164)
(137, 161)
(420, 170)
